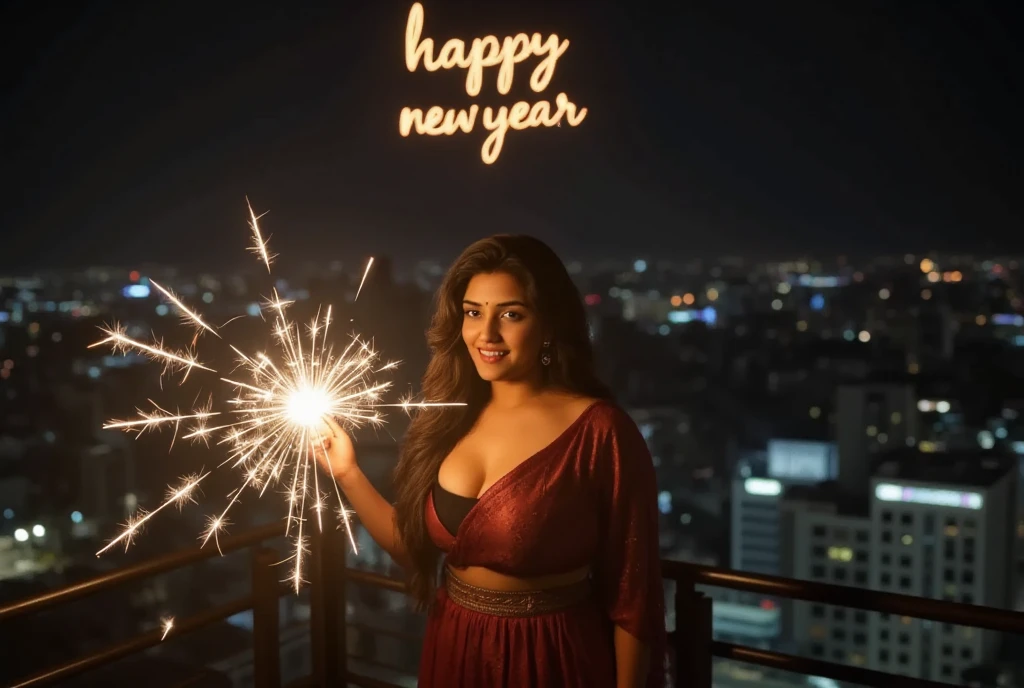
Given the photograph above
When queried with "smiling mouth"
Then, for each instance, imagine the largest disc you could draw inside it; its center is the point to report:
(490, 355)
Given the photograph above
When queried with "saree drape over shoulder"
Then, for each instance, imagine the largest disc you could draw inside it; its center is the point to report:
(588, 499)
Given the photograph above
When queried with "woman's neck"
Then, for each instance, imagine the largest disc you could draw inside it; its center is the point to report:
(509, 394)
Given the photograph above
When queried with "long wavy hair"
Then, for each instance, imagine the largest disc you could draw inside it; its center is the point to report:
(451, 376)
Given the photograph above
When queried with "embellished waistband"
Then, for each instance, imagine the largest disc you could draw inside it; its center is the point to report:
(515, 603)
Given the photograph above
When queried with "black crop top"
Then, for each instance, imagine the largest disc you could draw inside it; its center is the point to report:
(451, 508)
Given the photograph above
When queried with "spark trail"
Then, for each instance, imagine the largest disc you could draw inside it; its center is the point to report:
(280, 404)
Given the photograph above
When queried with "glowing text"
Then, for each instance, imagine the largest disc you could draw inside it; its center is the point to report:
(482, 53)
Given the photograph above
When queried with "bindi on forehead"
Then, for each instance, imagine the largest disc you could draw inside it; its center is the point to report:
(504, 303)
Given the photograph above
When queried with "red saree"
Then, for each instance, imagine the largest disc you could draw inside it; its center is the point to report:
(587, 499)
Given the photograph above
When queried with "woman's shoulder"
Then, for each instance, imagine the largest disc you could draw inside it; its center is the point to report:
(602, 415)
(575, 407)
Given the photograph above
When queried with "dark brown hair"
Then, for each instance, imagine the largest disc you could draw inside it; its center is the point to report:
(452, 377)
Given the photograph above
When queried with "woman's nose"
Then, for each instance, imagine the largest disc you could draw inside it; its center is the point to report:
(491, 331)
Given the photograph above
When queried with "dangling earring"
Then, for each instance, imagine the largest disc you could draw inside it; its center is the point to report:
(545, 358)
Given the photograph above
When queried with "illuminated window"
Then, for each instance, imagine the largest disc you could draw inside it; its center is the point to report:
(889, 492)
(952, 531)
(840, 553)
(763, 487)
(907, 540)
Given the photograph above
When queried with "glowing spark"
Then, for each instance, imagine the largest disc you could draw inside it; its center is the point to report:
(259, 245)
(155, 419)
(189, 315)
(167, 623)
(279, 410)
(363, 280)
(177, 496)
(172, 359)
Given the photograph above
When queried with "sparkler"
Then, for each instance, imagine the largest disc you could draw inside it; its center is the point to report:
(278, 412)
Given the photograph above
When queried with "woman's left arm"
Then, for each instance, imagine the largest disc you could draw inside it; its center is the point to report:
(632, 660)
(629, 573)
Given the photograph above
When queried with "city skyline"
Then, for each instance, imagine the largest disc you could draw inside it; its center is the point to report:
(764, 394)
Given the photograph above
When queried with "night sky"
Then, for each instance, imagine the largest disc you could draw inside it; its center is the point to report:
(135, 131)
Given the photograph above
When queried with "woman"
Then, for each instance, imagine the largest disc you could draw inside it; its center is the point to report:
(539, 491)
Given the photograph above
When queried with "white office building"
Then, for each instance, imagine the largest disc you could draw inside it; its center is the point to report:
(939, 526)
(944, 530)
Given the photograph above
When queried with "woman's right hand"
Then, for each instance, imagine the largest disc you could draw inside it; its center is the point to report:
(333, 450)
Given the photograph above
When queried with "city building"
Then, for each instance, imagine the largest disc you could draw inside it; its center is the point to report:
(756, 542)
(943, 527)
(940, 526)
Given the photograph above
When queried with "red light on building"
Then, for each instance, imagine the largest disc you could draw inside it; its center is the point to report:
(592, 299)
(133, 275)
(767, 605)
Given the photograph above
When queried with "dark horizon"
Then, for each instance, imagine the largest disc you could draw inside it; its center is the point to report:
(135, 135)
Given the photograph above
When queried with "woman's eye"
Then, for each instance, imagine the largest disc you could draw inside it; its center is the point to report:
(512, 315)
(471, 314)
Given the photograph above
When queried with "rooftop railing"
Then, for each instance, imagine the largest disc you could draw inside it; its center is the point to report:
(694, 648)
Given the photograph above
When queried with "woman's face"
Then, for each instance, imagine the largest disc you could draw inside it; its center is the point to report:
(503, 334)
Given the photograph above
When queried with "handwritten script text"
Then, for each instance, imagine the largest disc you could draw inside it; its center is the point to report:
(481, 54)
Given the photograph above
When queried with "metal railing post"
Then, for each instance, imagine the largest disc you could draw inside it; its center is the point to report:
(266, 637)
(693, 636)
(330, 651)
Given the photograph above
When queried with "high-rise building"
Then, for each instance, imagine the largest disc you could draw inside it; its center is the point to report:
(871, 419)
(826, 538)
(757, 490)
(944, 527)
(940, 526)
